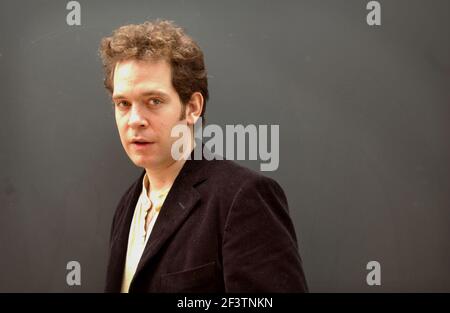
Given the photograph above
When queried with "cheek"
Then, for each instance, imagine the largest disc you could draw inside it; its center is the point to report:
(117, 117)
(121, 126)
(173, 118)
(120, 118)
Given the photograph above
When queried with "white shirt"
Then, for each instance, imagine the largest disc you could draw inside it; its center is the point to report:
(138, 236)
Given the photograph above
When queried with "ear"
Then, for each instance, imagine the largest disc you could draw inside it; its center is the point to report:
(194, 108)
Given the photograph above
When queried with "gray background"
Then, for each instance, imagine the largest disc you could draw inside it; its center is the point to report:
(363, 114)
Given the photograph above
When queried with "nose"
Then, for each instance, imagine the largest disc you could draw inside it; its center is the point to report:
(137, 117)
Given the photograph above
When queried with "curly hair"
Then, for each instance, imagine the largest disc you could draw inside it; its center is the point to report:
(158, 40)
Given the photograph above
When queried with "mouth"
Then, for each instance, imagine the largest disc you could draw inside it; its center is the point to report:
(141, 143)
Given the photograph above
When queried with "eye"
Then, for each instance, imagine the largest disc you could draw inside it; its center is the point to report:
(122, 104)
(154, 102)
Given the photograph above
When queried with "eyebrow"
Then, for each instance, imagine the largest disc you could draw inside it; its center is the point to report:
(144, 94)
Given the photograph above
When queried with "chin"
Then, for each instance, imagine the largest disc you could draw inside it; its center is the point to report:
(143, 162)
(147, 162)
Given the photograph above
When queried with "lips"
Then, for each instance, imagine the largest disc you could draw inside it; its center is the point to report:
(140, 143)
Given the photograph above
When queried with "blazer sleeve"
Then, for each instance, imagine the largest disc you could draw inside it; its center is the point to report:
(259, 248)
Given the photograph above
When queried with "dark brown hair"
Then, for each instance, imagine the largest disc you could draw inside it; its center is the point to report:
(158, 40)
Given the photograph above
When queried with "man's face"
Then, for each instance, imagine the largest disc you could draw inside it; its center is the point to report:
(147, 107)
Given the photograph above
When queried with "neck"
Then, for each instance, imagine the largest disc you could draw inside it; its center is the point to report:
(162, 178)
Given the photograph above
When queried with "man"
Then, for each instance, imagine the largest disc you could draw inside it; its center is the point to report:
(186, 225)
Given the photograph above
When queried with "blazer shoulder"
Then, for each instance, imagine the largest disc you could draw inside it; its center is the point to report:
(231, 174)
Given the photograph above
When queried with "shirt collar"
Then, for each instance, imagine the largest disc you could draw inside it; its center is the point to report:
(145, 188)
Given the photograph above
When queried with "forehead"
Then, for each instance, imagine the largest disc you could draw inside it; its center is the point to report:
(139, 75)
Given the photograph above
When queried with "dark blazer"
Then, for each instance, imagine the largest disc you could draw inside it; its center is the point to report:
(222, 228)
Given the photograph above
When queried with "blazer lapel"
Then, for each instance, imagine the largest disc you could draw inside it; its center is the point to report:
(179, 202)
(119, 239)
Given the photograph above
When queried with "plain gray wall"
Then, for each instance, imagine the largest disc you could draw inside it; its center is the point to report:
(363, 114)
